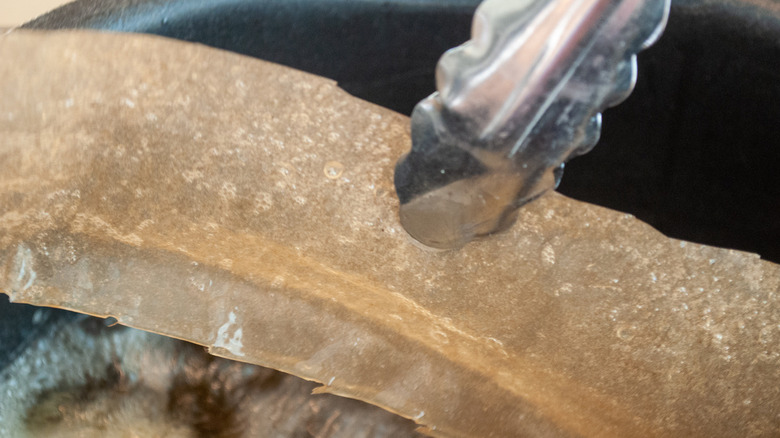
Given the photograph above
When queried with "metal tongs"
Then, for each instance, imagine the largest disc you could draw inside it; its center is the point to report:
(514, 103)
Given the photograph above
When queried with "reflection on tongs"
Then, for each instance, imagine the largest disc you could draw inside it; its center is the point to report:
(514, 103)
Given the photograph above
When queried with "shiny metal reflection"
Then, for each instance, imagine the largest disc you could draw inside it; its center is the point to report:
(513, 104)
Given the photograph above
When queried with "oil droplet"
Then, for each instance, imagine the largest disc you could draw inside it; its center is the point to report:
(333, 169)
(263, 202)
(625, 333)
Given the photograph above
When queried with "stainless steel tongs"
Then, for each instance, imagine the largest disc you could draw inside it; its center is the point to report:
(514, 103)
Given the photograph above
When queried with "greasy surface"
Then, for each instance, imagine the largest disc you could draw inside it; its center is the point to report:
(248, 207)
(87, 380)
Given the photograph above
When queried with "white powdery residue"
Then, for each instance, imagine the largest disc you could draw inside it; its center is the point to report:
(230, 343)
(128, 103)
(496, 341)
(548, 254)
(21, 270)
(29, 280)
(144, 224)
(24, 259)
(420, 415)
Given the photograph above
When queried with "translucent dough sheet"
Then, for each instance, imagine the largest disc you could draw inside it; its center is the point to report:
(249, 208)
